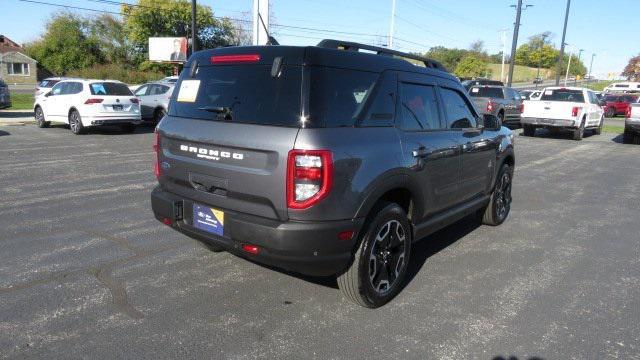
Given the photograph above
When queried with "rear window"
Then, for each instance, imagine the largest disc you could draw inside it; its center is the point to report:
(611, 98)
(48, 83)
(109, 88)
(337, 96)
(244, 94)
(563, 95)
(490, 92)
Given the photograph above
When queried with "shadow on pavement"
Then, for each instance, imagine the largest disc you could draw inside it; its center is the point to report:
(511, 357)
(16, 114)
(4, 133)
(107, 129)
(559, 134)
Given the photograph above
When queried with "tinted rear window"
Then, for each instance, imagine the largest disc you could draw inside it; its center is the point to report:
(489, 92)
(563, 95)
(109, 88)
(249, 92)
(337, 96)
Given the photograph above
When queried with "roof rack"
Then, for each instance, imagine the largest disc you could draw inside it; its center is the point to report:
(351, 46)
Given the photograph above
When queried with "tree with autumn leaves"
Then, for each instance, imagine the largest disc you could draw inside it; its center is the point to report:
(632, 70)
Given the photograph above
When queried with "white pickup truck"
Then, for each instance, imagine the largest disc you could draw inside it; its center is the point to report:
(564, 108)
(632, 125)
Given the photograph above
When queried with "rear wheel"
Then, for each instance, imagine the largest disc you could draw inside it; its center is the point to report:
(40, 120)
(75, 123)
(578, 133)
(500, 204)
(610, 112)
(528, 130)
(128, 128)
(380, 263)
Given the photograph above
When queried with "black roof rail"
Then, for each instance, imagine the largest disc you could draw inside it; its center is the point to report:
(352, 46)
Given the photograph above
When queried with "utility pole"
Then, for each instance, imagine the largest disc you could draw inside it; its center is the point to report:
(194, 46)
(514, 43)
(261, 22)
(575, 83)
(591, 66)
(392, 24)
(503, 36)
(544, 36)
(564, 34)
(566, 77)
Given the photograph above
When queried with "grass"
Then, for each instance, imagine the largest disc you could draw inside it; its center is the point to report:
(614, 129)
(520, 73)
(598, 86)
(21, 101)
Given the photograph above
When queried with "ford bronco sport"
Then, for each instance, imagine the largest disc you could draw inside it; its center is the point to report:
(326, 160)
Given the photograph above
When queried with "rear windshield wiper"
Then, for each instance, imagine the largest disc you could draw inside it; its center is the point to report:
(223, 112)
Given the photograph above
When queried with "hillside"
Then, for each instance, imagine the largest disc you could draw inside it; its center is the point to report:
(520, 73)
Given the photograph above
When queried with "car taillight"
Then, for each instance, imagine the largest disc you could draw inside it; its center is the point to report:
(490, 106)
(574, 111)
(241, 58)
(156, 150)
(93, 101)
(521, 108)
(309, 177)
(628, 114)
(135, 101)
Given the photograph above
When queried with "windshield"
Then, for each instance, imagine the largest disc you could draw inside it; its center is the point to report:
(563, 95)
(611, 98)
(109, 88)
(483, 91)
(241, 94)
(48, 83)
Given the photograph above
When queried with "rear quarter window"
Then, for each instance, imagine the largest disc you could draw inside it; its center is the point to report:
(109, 88)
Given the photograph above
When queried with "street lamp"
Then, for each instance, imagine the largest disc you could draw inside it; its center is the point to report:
(544, 36)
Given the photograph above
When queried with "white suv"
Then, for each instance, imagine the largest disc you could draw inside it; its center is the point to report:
(85, 103)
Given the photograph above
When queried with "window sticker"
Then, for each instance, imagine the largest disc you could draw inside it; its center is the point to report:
(98, 89)
(188, 90)
(475, 90)
(548, 92)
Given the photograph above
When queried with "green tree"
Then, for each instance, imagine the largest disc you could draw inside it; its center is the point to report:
(471, 66)
(109, 33)
(447, 57)
(66, 45)
(153, 18)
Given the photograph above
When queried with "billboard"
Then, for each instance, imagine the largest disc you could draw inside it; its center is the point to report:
(168, 49)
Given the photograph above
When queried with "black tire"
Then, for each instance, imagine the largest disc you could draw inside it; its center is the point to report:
(75, 123)
(578, 133)
(598, 130)
(499, 206)
(528, 130)
(40, 120)
(127, 128)
(610, 112)
(380, 263)
(158, 115)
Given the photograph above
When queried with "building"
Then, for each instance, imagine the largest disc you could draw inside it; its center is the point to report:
(16, 68)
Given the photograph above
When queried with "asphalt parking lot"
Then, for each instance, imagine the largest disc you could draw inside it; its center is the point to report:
(86, 271)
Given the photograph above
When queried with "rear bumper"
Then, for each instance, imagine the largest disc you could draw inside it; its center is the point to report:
(544, 122)
(310, 248)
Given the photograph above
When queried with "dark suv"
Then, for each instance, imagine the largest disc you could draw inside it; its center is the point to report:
(326, 160)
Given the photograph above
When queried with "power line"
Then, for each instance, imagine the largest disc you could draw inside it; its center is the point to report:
(71, 7)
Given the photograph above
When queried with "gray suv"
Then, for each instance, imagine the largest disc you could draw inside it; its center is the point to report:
(326, 160)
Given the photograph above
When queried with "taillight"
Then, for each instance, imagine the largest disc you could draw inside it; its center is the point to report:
(156, 150)
(242, 58)
(574, 111)
(135, 101)
(490, 106)
(309, 177)
(628, 114)
(93, 101)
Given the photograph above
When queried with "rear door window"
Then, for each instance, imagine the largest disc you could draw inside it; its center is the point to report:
(419, 108)
(458, 111)
(483, 91)
(142, 91)
(248, 93)
(563, 95)
(109, 88)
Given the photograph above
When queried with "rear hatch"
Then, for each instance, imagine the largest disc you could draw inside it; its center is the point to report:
(113, 99)
(233, 118)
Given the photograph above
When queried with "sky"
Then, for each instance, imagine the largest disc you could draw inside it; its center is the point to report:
(607, 28)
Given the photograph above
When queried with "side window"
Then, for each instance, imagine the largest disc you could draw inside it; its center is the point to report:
(142, 91)
(459, 113)
(74, 88)
(57, 89)
(419, 108)
(382, 110)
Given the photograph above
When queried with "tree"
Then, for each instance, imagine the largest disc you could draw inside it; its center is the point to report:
(151, 18)
(66, 45)
(632, 70)
(447, 57)
(471, 66)
(109, 33)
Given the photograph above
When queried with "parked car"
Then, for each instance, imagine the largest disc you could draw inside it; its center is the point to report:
(622, 87)
(86, 103)
(323, 169)
(480, 81)
(501, 101)
(618, 104)
(170, 79)
(559, 108)
(154, 100)
(47, 84)
(5, 95)
(632, 124)
(538, 80)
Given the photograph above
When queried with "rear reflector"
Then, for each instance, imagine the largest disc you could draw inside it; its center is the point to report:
(93, 101)
(167, 221)
(346, 235)
(251, 249)
(574, 111)
(156, 150)
(242, 58)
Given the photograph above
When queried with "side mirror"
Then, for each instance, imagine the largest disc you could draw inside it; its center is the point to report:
(491, 122)
(48, 94)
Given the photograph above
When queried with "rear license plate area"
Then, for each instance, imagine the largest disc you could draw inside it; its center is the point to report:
(208, 219)
(117, 107)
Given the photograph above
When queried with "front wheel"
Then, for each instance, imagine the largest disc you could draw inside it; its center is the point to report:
(499, 205)
(380, 263)
(40, 120)
(578, 133)
(528, 130)
(598, 130)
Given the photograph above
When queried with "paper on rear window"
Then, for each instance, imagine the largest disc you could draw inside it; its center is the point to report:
(109, 88)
